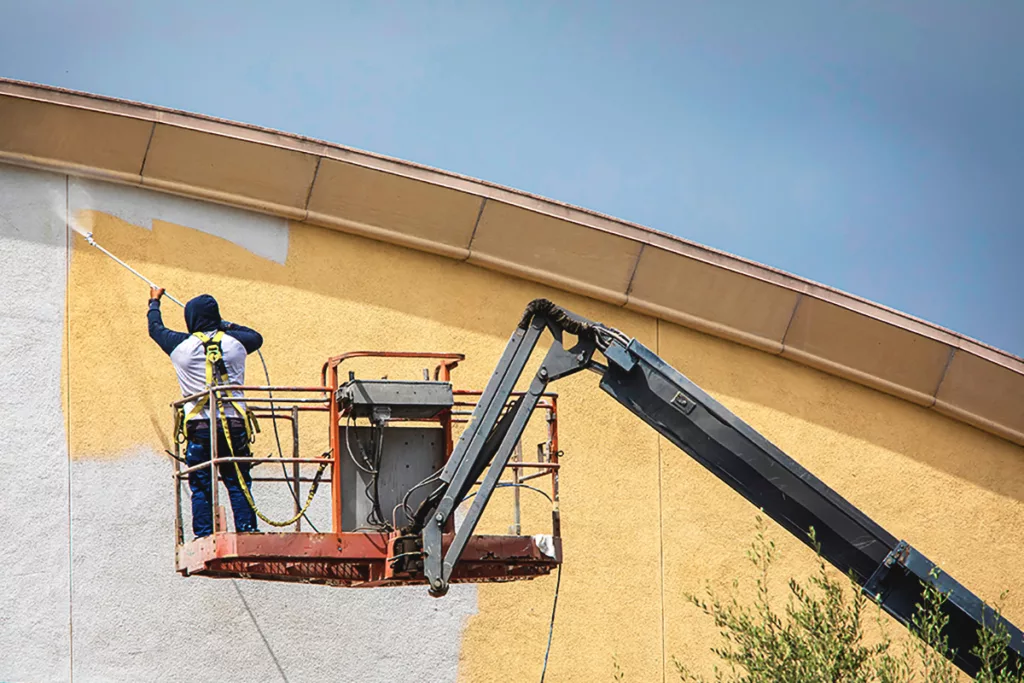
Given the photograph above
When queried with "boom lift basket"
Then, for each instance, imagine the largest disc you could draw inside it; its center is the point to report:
(428, 548)
(410, 428)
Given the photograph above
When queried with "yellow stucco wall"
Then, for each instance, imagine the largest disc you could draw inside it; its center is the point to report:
(641, 521)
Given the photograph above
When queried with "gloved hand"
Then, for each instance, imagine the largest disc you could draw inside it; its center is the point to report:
(155, 293)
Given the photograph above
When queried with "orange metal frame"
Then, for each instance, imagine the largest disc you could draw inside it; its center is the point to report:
(361, 559)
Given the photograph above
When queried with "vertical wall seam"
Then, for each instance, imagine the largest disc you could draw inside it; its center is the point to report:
(472, 235)
(145, 155)
(632, 275)
(661, 524)
(67, 416)
(309, 195)
(792, 317)
(942, 377)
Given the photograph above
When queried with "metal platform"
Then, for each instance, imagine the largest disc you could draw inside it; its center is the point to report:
(414, 423)
(356, 560)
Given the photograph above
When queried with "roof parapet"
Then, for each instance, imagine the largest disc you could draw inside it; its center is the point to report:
(518, 233)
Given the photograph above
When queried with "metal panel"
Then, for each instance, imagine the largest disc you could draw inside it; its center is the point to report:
(392, 202)
(49, 131)
(833, 338)
(223, 165)
(553, 250)
(398, 398)
(983, 389)
(354, 560)
(410, 455)
(711, 298)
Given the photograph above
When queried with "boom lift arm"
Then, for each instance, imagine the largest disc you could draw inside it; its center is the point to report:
(888, 570)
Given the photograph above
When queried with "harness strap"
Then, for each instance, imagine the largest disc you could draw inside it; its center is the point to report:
(217, 373)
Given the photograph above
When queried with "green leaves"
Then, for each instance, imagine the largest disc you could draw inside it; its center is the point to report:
(819, 634)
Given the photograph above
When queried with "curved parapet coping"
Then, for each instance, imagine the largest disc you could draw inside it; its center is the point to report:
(517, 233)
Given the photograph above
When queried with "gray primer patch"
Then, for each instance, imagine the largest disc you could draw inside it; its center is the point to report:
(34, 598)
(134, 618)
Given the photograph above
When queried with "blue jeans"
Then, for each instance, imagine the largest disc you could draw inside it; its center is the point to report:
(199, 481)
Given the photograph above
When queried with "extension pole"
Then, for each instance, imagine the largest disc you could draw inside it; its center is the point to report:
(90, 240)
(259, 352)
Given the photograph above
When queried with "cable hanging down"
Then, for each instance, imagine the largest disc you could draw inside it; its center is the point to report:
(370, 465)
(280, 451)
(241, 481)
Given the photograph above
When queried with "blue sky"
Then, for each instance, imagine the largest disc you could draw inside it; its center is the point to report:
(874, 146)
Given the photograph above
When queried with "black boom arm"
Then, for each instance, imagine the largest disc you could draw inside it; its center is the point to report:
(888, 570)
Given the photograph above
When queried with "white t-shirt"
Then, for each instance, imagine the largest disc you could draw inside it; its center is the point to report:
(189, 359)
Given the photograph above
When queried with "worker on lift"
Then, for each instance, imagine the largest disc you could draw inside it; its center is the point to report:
(212, 352)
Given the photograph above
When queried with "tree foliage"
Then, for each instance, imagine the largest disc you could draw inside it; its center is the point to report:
(819, 634)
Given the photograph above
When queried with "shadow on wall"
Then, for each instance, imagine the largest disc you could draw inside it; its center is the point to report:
(334, 293)
(338, 292)
(754, 385)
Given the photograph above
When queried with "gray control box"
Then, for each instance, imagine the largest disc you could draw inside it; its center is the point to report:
(381, 399)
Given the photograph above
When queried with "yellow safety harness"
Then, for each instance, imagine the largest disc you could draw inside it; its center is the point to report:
(217, 374)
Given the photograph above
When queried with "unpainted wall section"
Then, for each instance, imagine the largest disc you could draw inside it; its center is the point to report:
(642, 522)
(35, 601)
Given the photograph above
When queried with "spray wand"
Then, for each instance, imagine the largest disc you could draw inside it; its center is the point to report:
(88, 238)
(91, 241)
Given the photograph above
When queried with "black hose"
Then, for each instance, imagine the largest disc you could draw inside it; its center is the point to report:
(277, 438)
(375, 517)
(505, 485)
(557, 315)
(551, 628)
(405, 499)
(377, 511)
(429, 503)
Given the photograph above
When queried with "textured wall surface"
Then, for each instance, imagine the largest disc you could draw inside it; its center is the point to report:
(128, 615)
(642, 523)
(34, 582)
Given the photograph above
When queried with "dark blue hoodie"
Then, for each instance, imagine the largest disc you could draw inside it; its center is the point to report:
(202, 314)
